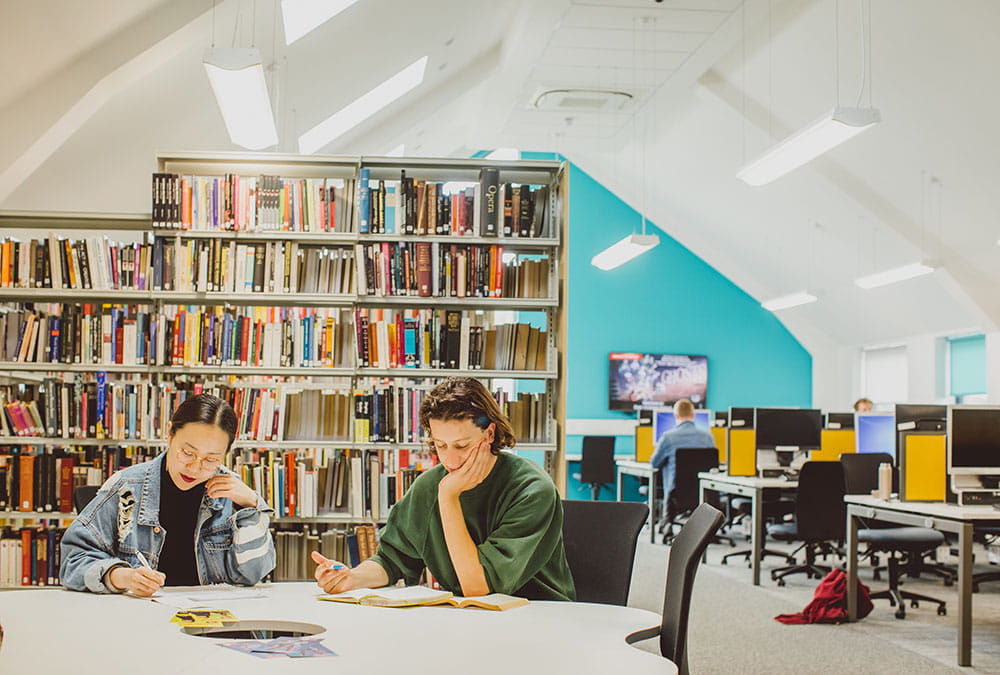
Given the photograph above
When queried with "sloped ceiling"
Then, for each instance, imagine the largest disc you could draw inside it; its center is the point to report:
(93, 89)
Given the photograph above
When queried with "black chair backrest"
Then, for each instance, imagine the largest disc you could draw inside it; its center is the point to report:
(820, 511)
(83, 495)
(689, 463)
(597, 462)
(600, 539)
(861, 470)
(685, 554)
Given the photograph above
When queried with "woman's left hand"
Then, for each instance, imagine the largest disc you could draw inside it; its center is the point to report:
(229, 486)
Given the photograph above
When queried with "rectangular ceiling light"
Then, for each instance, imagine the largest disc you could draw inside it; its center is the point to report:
(623, 251)
(361, 109)
(787, 301)
(894, 275)
(301, 17)
(827, 132)
(237, 79)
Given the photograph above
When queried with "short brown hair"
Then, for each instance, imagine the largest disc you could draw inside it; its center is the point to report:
(863, 401)
(465, 398)
(684, 408)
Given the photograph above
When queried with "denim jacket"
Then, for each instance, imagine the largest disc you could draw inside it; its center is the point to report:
(231, 545)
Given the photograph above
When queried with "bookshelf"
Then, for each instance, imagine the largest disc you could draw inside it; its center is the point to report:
(468, 290)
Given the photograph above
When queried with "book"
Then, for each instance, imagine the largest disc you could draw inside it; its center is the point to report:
(413, 596)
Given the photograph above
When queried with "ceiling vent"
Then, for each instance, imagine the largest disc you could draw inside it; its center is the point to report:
(583, 100)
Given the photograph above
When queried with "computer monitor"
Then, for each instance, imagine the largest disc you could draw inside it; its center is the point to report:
(919, 417)
(839, 420)
(875, 432)
(664, 420)
(741, 418)
(788, 428)
(973, 440)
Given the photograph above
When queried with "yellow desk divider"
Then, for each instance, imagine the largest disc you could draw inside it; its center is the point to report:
(643, 442)
(832, 444)
(742, 452)
(720, 436)
(923, 466)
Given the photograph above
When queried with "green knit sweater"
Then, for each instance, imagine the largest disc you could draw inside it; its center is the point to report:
(514, 517)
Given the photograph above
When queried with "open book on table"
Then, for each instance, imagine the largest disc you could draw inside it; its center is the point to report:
(411, 596)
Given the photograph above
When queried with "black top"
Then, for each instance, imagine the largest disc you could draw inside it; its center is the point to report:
(178, 517)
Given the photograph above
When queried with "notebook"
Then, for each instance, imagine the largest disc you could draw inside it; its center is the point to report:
(412, 596)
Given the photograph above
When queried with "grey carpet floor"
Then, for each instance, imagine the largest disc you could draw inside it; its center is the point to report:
(732, 627)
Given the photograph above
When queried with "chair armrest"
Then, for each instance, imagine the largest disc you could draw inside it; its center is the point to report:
(640, 635)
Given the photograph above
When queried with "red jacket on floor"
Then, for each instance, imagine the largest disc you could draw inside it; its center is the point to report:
(829, 603)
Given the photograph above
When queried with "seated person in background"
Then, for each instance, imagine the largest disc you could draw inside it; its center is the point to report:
(684, 435)
(863, 405)
(482, 521)
(193, 520)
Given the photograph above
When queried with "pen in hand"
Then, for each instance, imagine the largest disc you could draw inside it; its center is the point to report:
(142, 559)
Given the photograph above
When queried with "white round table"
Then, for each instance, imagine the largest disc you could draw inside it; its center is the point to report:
(55, 630)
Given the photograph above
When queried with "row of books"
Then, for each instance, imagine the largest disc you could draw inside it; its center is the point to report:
(485, 208)
(30, 556)
(44, 481)
(94, 262)
(202, 265)
(252, 203)
(294, 549)
(126, 410)
(429, 338)
(307, 483)
(436, 269)
(270, 337)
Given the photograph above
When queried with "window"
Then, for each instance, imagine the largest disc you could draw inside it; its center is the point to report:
(967, 368)
(883, 375)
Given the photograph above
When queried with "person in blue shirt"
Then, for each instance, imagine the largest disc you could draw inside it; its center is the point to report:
(684, 435)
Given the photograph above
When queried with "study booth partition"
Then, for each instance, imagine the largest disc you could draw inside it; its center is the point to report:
(921, 452)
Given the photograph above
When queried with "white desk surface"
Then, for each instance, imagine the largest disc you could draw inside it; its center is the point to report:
(749, 481)
(934, 509)
(631, 464)
(55, 630)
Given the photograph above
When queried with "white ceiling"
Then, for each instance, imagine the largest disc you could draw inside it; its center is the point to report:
(92, 89)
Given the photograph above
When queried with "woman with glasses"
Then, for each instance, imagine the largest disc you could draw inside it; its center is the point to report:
(482, 521)
(182, 519)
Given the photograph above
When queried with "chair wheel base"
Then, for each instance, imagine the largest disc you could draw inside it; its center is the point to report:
(900, 614)
(942, 611)
(781, 582)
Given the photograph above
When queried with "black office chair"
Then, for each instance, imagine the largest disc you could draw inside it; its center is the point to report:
(600, 540)
(684, 498)
(861, 477)
(775, 510)
(685, 553)
(597, 463)
(83, 495)
(820, 515)
(911, 543)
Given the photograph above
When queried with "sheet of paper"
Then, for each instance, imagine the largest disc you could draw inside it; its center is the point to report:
(186, 597)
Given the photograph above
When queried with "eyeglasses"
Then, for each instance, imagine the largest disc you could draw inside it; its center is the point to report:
(188, 457)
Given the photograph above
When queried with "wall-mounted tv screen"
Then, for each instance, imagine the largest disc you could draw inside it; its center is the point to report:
(653, 380)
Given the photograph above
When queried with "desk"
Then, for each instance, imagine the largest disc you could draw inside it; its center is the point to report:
(937, 515)
(55, 630)
(642, 470)
(752, 487)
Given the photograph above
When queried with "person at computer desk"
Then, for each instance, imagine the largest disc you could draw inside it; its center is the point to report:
(482, 521)
(181, 519)
(863, 405)
(684, 435)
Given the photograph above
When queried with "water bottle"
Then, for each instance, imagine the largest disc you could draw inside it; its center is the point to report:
(884, 480)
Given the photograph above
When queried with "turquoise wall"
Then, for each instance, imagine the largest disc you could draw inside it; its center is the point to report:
(667, 300)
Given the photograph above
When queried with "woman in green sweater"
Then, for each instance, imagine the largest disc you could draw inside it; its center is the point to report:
(482, 521)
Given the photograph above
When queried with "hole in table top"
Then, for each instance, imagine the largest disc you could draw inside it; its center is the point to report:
(255, 630)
